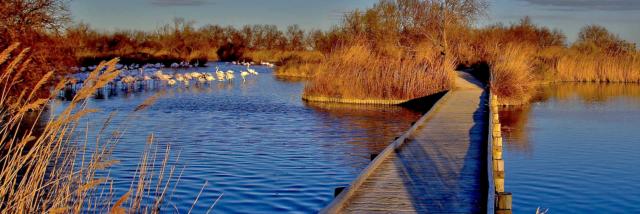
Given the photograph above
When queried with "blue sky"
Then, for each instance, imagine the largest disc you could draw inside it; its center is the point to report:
(620, 16)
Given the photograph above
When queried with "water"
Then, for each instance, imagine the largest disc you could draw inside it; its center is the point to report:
(576, 149)
(256, 142)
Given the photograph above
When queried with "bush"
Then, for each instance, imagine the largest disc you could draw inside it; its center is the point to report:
(231, 52)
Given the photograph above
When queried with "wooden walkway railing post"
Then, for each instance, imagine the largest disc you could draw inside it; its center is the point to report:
(499, 200)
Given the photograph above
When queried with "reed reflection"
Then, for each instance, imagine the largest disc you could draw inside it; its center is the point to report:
(515, 119)
(376, 124)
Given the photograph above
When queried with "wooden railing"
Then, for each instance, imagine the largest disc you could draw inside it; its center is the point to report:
(498, 201)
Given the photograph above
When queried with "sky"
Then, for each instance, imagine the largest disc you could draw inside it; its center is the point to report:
(620, 16)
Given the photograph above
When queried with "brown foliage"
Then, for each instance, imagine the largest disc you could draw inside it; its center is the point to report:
(35, 24)
(359, 73)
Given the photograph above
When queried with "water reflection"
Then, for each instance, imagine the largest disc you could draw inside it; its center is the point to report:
(514, 119)
(256, 142)
(290, 79)
(372, 120)
(562, 150)
(589, 93)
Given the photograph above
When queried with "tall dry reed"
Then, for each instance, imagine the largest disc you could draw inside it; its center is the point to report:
(50, 169)
(357, 72)
(580, 67)
(511, 73)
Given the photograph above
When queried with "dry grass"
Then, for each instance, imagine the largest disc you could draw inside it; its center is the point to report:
(282, 56)
(52, 169)
(302, 70)
(358, 73)
(511, 73)
(580, 67)
(292, 63)
(523, 54)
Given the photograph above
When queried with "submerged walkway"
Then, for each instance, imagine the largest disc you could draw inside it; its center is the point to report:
(440, 168)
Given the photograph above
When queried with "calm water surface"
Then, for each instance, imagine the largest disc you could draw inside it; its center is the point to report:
(575, 150)
(256, 142)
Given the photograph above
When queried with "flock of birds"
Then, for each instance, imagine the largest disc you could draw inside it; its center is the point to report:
(129, 77)
(143, 75)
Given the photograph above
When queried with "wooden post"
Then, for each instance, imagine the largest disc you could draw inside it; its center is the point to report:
(497, 152)
(497, 141)
(496, 134)
(498, 180)
(504, 201)
(494, 109)
(504, 212)
(498, 165)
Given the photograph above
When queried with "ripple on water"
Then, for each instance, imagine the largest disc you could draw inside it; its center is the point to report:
(256, 143)
(573, 154)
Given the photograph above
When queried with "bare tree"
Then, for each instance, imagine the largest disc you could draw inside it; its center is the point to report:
(19, 16)
(36, 24)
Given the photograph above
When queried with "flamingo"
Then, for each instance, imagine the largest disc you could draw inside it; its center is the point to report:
(202, 79)
(251, 70)
(179, 77)
(243, 74)
(210, 77)
(220, 74)
(230, 75)
(195, 74)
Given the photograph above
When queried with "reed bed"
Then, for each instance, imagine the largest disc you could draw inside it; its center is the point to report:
(511, 73)
(302, 70)
(357, 72)
(57, 169)
(303, 64)
(579, 67)
(285, 56)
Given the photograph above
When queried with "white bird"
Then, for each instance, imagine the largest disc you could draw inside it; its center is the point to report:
(202, 79)
(243, 74)
(229, 75)
(179, 77)
(194, 74)
(210, 77)
(220, 74)
(128, 79)
(251, 70)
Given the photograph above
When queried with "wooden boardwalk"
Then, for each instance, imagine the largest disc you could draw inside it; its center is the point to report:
(438, 167)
